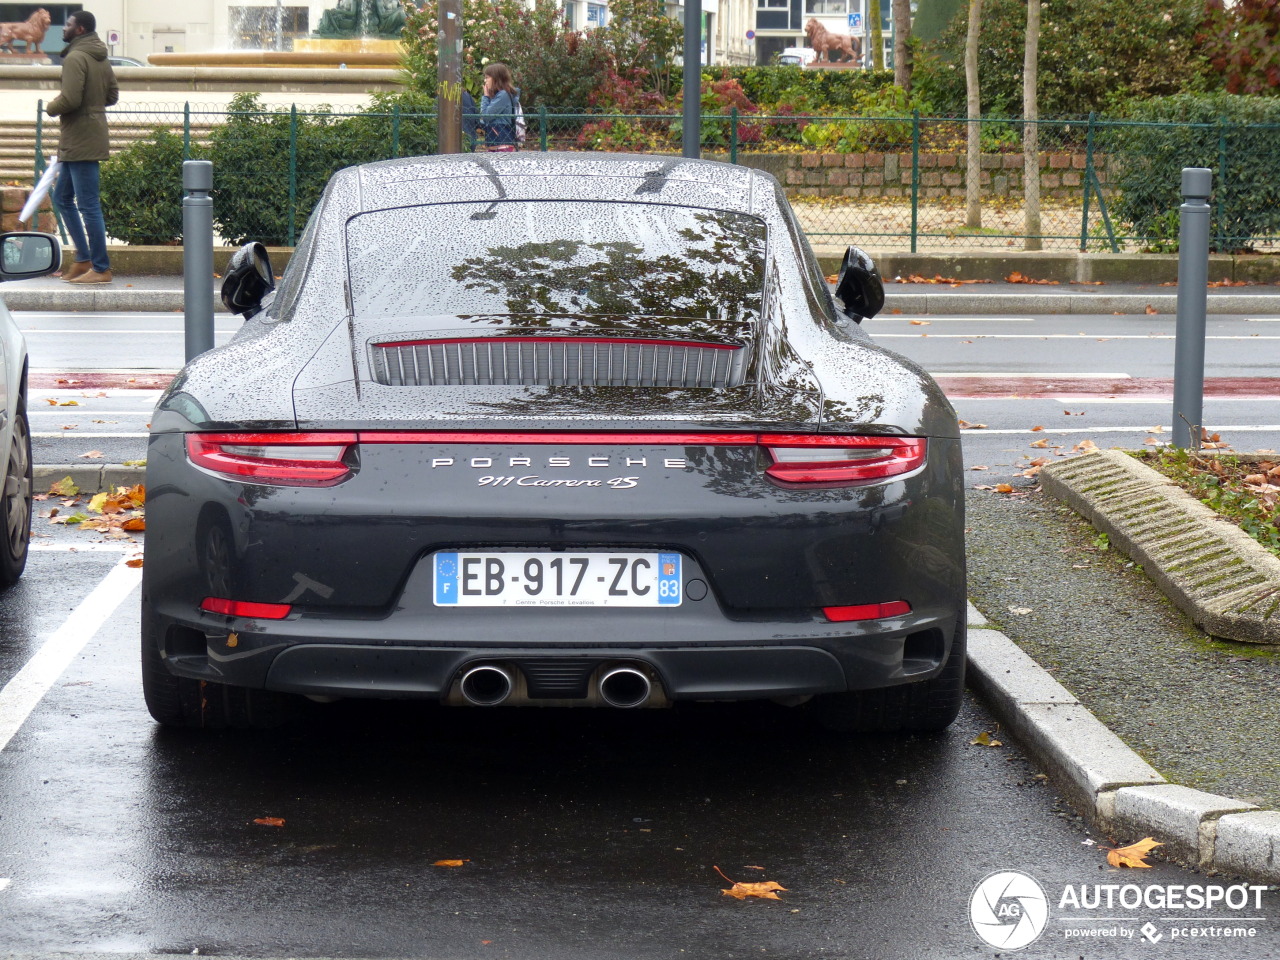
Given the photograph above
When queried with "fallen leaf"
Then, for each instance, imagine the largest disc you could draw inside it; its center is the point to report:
(1036, 428)
(985, 739)
(1003, 488)
(1040, 443)
(91, 455)
(765, 890)
(69, 403)
(135, 562)
(979, 468)
(134, 525)
(66, 487)
(270, 821)
(1151, 311)
(52, 401)
(1084, 446)
(752, 866)
(921, 323)
(966, 425)
(1020, 611)
(1133, 855)
(70, 426)
(450, 863)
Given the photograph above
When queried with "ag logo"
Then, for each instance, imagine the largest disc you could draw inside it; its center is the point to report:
(1008, 910)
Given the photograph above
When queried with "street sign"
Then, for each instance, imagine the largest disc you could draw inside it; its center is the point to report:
(113, 37)
(855, 21)
(751, 34)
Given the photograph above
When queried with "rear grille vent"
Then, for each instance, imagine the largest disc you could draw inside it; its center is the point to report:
(556, 361)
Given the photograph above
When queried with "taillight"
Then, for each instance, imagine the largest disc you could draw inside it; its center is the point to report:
(288, 459)
(867, 611)
(825, 458)
(244, 608)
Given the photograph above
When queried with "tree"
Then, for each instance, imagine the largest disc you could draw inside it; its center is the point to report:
(933, 17)
(552, 65)
(877, 34)
(1242, 43)
(1030, 127)
(902, 52)
(973, 165)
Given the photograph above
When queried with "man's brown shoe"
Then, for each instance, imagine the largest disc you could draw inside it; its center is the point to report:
(78, 268)
(92, 276)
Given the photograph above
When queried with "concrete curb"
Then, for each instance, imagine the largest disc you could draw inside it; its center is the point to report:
(89, 477)
(1215, 572)
(962, 303)
(1114, 787)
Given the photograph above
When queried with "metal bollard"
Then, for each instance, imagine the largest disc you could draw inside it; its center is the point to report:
(1193, 303)
(197, 255)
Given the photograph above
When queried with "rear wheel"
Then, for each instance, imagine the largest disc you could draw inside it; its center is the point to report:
(16, 505)
(183, 702)
(926, 706)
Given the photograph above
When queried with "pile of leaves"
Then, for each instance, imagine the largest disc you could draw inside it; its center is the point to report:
(1246, 491)
(117, 514)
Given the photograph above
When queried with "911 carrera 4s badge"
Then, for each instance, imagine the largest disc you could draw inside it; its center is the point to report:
(613, 483)
(547, 579)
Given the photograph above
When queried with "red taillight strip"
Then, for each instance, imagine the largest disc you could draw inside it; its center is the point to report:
(207, 450)
(244, 608)
(867, 611)
(604, 340)
(625, 439)
(883, 458)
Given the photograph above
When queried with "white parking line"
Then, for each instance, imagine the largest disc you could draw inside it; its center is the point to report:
(4, 882)
(86, 547)
(21, 694)
(1032, 375)
(1082, 337)
(933, 318)
(76, 433)
(1256, 428)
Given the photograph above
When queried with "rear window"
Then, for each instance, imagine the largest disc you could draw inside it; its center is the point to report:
(531, 257)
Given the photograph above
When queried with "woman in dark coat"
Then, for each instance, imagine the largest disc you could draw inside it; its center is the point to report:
(498, 106)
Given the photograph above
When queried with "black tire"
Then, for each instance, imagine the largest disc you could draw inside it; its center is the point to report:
(175, 701)
(16, 502)
(923, 707)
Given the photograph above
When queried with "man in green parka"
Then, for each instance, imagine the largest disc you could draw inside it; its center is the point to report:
(88, 88)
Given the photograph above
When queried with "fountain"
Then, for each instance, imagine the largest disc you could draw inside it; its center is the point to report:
(354, 33)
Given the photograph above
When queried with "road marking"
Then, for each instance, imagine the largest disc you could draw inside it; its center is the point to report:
(85, 547)
(1083, 337)
(1036, 376)
(1067, 400)
(113, 331)
(28, 687)
(4, 882)
(932, 318)
(51, 412)
(77, 433)
(1265, 428)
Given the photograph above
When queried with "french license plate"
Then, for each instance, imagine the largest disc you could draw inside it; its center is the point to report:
(545, 579)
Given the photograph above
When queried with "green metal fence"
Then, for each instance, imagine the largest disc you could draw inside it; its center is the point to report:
(887, 182)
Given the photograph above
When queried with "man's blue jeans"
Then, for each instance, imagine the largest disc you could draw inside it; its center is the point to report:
(75, 195)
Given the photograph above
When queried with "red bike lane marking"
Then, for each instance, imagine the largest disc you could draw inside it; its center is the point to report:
(977, 388)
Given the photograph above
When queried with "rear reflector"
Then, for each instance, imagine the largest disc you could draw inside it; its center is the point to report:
(824, 458)
(867, 611)
(241, 608)
(288, 459)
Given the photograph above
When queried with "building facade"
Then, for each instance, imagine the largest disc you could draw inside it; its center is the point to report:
(780, 24)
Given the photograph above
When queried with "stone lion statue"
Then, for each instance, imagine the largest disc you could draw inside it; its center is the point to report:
(31, 32)
(826, 44)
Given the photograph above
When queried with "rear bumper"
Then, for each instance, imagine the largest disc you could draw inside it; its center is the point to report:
(821, 660)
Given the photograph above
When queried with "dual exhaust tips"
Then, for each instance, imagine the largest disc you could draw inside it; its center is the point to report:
(489, 684)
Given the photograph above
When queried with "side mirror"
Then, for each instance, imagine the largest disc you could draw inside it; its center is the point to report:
(249, 279)
(24, 255)
(859, 292)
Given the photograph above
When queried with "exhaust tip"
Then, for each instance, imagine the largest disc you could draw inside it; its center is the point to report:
(625, 687)
(486, 685)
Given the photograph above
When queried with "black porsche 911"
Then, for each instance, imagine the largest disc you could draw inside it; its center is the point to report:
(554, 429)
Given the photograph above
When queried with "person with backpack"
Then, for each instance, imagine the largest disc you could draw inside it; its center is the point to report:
(500, 108)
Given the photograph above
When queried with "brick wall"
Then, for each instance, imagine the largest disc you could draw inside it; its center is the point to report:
(11, 202)
(888, 175)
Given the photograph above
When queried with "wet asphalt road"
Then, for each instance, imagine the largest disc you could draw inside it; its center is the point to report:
(583, 834)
